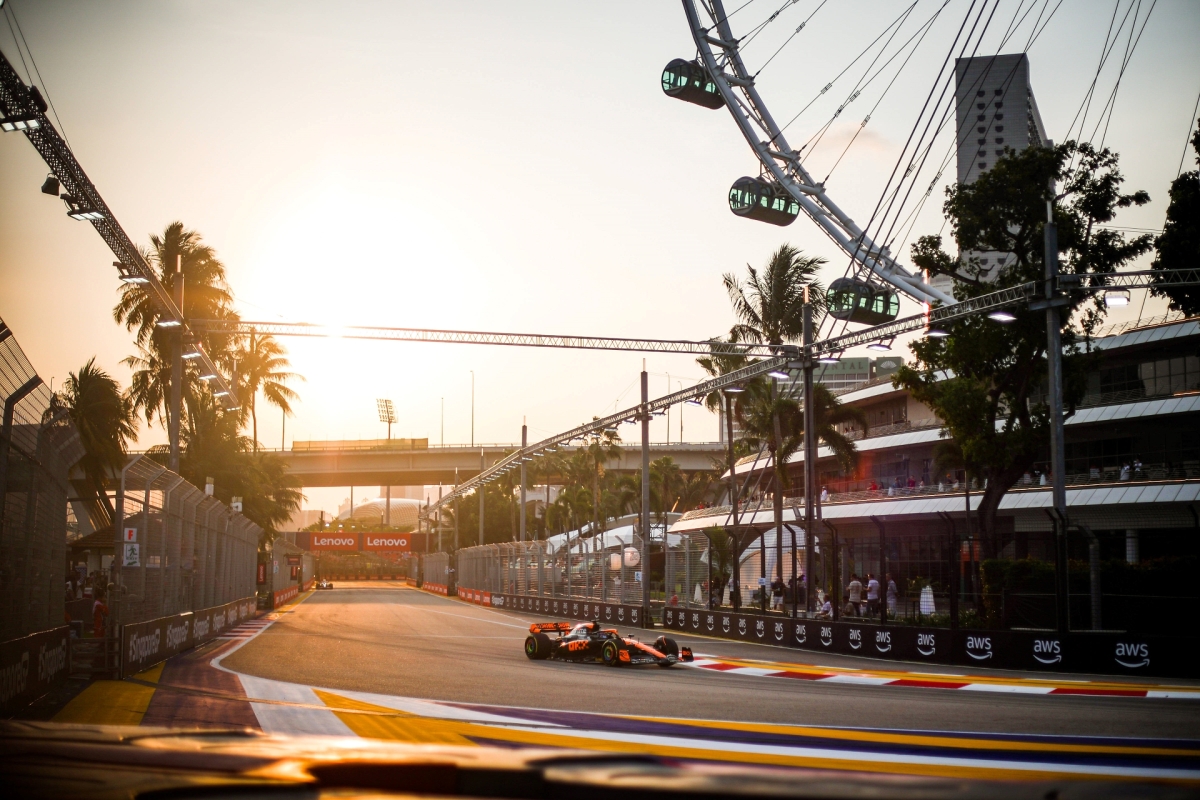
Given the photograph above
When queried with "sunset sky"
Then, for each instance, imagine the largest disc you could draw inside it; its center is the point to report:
(486, 166)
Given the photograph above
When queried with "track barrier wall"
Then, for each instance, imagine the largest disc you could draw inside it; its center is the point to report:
(572, 608)
(1105, 653)
(144, 644)
(31, 666)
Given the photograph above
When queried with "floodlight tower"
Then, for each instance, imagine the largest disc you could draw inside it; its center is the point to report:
(387, 413)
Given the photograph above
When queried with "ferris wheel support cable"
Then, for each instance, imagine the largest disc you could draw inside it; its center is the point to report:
(859, 85)
(1085, 104)
(1112, 101)
(791, 175)
(922, 32)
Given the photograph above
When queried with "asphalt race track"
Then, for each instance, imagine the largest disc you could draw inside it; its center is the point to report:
(384, 639)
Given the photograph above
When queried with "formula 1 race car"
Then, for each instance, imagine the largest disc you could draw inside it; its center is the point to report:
(588, 642)
(324, 584)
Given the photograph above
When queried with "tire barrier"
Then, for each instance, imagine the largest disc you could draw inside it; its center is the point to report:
(31, 666)
(144, 644)
(574, 608)
(1047, 651)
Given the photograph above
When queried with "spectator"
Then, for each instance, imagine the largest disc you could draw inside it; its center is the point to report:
(892, 595)
(1125, 471)
(1138, 472)
(874, 487)
(912, 482)
(824, 494)
(674, 601)
(872, 595)
(777, 594)
(854, 594)
(99, 614)
(826, 611)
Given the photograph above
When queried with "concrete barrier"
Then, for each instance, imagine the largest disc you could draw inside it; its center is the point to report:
(144, 644)
(31, 666)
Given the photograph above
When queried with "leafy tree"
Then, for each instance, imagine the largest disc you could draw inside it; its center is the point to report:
(106, 422)
(1179, 244)
(665, 478)
(262, 367)
(830, 416)
(992, 405)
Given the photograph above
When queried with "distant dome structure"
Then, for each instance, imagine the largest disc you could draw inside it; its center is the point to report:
(404, 511)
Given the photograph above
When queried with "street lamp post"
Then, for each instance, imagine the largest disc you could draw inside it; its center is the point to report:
(176, 372)
(472, 408)
(645, 496)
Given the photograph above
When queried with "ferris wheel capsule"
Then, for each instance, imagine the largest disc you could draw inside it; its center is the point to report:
(754, 198)
(862, 302)
(688, 81)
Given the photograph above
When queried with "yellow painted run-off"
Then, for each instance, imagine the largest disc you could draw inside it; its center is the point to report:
(112, 702)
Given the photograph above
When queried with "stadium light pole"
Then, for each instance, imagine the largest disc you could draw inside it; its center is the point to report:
(479, 490)
(472, 408)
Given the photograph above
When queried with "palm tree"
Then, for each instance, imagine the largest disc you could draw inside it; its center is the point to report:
(106, 422)
(770, 310)
(602, 447)
(830, 415)
(770, 307)
(665, 477)
(206, 296)
(262, 366)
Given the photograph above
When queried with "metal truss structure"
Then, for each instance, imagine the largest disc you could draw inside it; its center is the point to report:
(481, 337)
(718, 50)
(24, 112)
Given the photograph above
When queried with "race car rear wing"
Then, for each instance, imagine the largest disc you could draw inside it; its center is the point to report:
(550, 627)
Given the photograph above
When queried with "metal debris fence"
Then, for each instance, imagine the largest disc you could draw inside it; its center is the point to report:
(38, 446)
(177, 549)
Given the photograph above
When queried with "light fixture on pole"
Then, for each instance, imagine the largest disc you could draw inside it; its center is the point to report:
(694, 401)
(50, 186)
(387, 413)
(829, 358)
(734, 389)
(1114, 298)
(1000, 315)
(882, 346)
(191, 355)
(168, 323)
(208, 376)
(128, 275)
(936, 333)
(779, 375)
(21, 122)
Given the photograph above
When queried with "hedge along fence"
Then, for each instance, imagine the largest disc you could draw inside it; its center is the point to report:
(144, 644)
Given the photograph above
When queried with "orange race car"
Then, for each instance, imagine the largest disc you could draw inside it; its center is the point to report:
(588, 642)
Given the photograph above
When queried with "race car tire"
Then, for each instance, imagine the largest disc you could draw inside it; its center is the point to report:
(537, 646)
(610, 654)
(666, 646)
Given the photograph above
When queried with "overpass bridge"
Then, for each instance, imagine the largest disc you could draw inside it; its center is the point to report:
(398, 463)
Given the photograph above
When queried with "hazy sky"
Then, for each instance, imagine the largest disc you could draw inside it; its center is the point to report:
(487, 166)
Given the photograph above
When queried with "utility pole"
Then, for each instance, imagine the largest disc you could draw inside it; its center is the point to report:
(645, 496)
(1053, 301)
(439, 519)
(472, 408)
(733, 495)
(456, 512)
(810, 458)
(176, 334)
(479, 491)
(524, 555)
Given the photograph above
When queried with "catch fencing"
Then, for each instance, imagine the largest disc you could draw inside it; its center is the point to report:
(178, 549)
(435, 573)
(583, 569)
(288, 572)
(38, 446)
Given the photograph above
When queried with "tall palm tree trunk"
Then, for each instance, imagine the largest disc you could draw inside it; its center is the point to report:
(254, 420)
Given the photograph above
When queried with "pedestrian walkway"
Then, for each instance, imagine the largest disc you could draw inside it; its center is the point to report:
(942, 680)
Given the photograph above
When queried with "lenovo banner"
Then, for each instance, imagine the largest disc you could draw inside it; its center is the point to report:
(387, 542)
(30, 667)
(334, 541)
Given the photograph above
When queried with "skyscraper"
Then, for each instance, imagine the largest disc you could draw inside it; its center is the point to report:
(994, 111)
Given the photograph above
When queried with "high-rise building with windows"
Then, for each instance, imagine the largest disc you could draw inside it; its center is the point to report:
(994, 111)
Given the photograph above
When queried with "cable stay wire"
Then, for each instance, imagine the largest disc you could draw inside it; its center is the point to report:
(830, 84)
(859, 85)
(1006, 82)
(789, 39)
(1085, 104)
(922, 32)
(1188, 138)
(728, 16)
(1111, 105)
(45, 90)
(745, 40)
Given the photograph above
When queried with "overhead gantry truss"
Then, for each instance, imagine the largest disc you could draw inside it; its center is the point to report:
(720, 56)
(22, 105)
